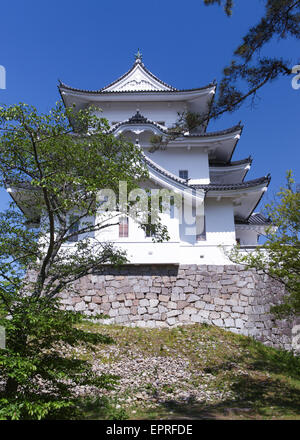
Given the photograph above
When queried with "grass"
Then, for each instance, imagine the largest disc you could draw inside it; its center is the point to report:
(244, 378)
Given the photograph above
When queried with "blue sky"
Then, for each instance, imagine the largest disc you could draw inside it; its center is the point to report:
(89, 44)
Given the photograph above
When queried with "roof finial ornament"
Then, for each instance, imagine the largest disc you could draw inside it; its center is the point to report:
(138, 56)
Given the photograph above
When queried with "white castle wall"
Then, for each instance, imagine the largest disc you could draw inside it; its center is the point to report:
(175, 159)
(166, 112)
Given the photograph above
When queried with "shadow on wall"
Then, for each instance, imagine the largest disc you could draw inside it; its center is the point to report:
(140, 270)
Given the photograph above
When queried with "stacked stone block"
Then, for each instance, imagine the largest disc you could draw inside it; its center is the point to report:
(231, 297)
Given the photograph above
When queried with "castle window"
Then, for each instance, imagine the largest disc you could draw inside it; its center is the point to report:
(184, 174)
(123, 227)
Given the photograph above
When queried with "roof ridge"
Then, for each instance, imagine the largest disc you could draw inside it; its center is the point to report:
(218, 132)
(138, 118)
(164, 171)
(102, 91)
(228, 186)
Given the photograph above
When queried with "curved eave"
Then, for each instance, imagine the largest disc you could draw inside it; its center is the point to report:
(138, 127)
(211, 140)
(233, 172)
(27, 199)
(214, 136)
(164, 172)
(261, 229)
(245, 196)
(256, 222)
(235, 163)
(255, 219)
(141, 95)
(224, 188)
(231, 167)
(165, 179)
(220, 145)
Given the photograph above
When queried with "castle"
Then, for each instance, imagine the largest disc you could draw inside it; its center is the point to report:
(197, 165)
(189, 278)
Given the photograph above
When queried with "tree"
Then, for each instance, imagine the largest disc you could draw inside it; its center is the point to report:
(279, 256)
(249, 69)
(55, 173)
(249, 66)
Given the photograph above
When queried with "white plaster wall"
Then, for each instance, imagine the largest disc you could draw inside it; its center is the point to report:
(203, 254)
(172, 252)
(155, 111)
(135, 233)
(247, 237)
(182, 247)
(175, 159)
(220, 228)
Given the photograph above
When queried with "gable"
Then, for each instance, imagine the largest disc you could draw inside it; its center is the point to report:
(138, 79)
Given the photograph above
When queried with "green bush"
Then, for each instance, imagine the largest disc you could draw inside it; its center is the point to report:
(39, 374)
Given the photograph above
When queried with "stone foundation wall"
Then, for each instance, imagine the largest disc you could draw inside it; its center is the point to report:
(231, 297)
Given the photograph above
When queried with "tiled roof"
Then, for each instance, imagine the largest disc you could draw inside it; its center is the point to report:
(233, 186)
(140, 119)
(102, 92)
(248, 160)
(210, 186)
(165, 172)
(137, 119)
(255, 219)
(216, 133)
